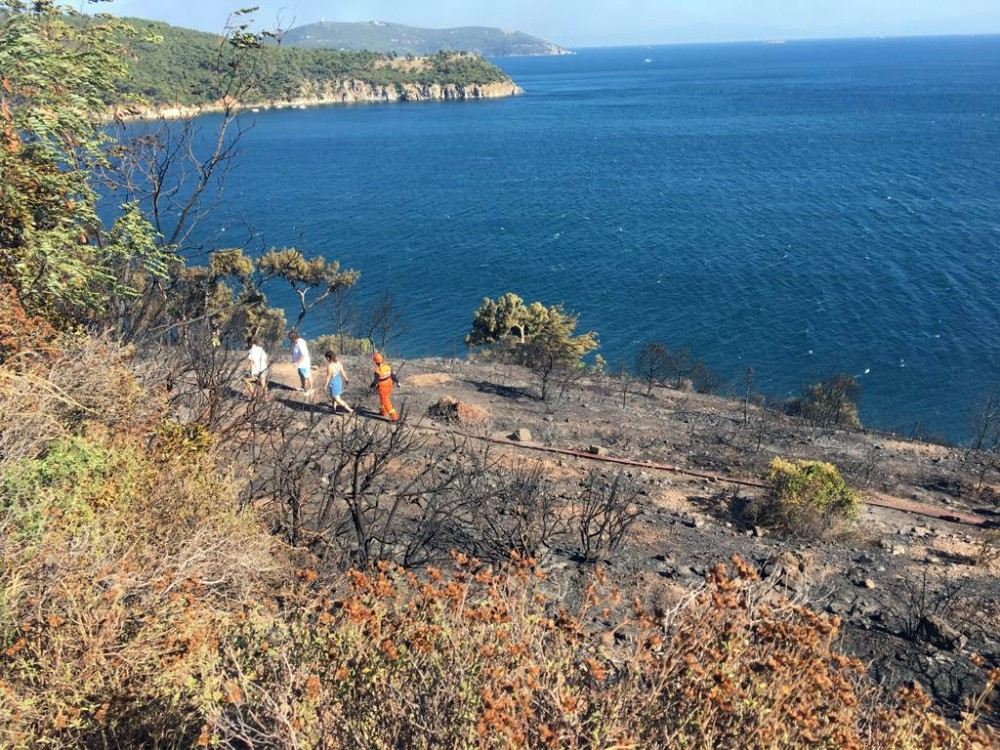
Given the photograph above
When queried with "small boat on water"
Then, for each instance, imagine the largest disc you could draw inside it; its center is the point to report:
(648, 60)
(255, 109)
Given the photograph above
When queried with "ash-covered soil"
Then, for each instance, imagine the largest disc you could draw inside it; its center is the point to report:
(918, 596)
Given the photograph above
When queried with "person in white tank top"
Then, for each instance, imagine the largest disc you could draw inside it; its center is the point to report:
(302, 360)
(256, 380)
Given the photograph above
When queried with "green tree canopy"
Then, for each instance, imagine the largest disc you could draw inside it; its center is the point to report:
(831, 403)
(183, 66)
(496, 319)
(55, 79)
(313, 281)
(508, 317)
(541, 338)
(226, 293)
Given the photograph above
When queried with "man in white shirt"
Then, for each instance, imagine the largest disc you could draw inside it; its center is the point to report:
(300, 356)
(256, 383)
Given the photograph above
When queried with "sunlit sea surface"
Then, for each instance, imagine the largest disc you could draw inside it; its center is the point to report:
(801, 208)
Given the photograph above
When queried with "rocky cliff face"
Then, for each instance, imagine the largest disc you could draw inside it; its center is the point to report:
(348, 92)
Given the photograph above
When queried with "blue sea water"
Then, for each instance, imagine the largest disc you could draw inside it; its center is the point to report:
(802, 208)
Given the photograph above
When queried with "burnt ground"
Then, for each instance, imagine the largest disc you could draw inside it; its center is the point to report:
(918, 596)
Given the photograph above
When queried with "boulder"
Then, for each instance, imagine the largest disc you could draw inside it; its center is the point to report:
(937, 632)
(693, 522)
(448, 409)
(521, 435)
(838, 606)
(893, 548)
(789, 569)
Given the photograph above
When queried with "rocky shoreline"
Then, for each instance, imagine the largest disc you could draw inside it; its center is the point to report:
(341, 92)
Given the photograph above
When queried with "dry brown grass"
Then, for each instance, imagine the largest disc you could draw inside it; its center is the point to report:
(83, 385)
(487, 660)
(138, 608)
(23, 336)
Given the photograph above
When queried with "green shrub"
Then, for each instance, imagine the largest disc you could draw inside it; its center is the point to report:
(542, 339)
(807, 497)
(180, 440)
(342, 345)
(832, 403)
(58, 487)
(110, 626)
(65, 259)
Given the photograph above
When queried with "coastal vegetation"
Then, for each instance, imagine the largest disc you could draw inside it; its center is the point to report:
(183, 567)
(313, 281)
(541, 338)
(181, 66)
(140, 607)
(830, 403)
(808, 498)
(62, 261)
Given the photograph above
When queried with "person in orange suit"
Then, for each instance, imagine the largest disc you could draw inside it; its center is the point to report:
(384, 380)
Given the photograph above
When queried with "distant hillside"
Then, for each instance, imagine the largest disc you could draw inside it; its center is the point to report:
(181, 70)
(408, 40)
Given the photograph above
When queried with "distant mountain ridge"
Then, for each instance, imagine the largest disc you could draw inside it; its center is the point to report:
(376, 36)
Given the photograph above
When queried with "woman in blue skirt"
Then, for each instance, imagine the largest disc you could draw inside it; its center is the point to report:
(336, 381)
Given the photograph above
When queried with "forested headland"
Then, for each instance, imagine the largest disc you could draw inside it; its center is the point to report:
(180, 66)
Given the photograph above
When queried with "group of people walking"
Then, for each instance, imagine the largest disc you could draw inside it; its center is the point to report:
(383, 377)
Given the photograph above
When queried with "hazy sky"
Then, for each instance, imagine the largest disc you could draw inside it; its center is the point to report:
(577, 23)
